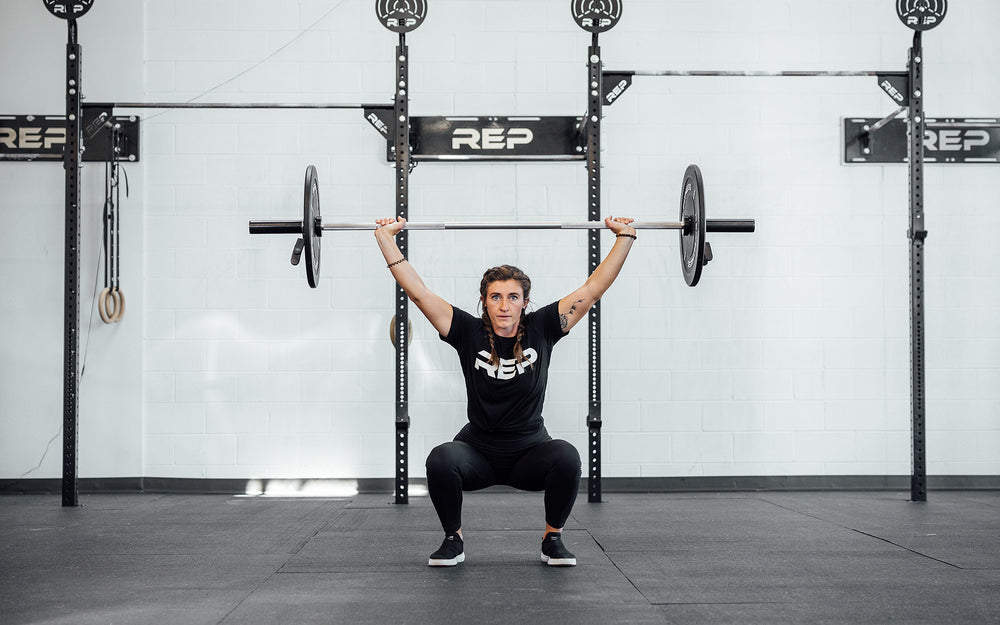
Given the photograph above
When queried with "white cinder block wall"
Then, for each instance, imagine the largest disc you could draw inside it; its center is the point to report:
(790, 358)
(32, 72)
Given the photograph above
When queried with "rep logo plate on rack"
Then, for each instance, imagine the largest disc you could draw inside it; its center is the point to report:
(596, 16)
(921, 14)
(401, 16)
(68, 9)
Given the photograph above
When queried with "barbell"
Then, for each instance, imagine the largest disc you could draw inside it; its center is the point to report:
(692, 225)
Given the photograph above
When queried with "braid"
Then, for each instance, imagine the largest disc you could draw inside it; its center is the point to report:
(488, 326)
(518, 350)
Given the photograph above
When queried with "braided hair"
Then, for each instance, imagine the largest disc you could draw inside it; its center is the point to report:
(499, 274)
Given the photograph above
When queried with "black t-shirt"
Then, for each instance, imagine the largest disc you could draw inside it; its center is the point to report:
(505, 401)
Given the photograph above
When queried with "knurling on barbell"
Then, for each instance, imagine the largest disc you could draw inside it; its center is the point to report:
(692, 226)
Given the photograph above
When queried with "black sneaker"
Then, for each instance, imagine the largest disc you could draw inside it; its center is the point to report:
(554, 553)
(451, 552)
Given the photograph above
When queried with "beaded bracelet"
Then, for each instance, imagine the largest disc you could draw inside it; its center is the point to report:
(631, 236)
(395, 262)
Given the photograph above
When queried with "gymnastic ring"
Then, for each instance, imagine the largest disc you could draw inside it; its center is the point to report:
(113, 313)
(101, 304)
(120, 310)
(392, 331)
(115, 299)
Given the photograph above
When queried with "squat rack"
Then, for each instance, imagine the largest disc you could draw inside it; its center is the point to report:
(603, 89)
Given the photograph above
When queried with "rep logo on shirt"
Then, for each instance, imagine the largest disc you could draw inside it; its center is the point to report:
(508, 367)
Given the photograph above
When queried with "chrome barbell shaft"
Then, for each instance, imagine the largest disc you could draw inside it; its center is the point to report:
(291, 227)
(232, 105)
(711, 225)
(502, 225)
(752, 74)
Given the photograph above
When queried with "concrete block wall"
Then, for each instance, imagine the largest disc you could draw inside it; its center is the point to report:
(790, 358)
(32, 72)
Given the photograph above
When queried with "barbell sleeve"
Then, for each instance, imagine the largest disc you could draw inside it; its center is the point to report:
(711, 225)
(730, 225)
(275, 227)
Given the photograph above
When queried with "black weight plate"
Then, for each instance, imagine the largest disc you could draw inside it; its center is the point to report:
(596, 16)
(401, 16)
(311, 226)
(693, 218)
(921, 14)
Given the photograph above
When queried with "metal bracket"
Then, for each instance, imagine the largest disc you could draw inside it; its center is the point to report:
(43, 137)
(402, 454)
(946, 140)
(896, 87)
(454, 139)
(613, 85)
(594, 455)
(381, 119)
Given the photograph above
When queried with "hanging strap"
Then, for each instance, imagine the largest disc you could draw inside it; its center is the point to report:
(111, 301)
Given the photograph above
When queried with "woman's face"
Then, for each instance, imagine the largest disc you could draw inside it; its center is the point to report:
(504, 302)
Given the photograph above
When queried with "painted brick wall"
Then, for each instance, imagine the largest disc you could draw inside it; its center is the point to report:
(33, 72)
(790, 358)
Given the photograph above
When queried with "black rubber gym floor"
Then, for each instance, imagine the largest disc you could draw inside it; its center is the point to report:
(771, 557)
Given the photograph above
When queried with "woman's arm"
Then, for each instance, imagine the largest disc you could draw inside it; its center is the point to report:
(437, 310)
(575, 306)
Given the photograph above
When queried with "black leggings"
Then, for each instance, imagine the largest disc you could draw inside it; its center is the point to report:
(552, 466)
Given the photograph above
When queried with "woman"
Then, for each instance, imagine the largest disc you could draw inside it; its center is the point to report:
(505, 360)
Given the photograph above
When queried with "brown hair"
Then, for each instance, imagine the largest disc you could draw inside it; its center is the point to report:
(499, 274)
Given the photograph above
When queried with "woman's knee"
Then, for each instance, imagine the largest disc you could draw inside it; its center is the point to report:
(440, 458)
(446, 458)
(566, 457)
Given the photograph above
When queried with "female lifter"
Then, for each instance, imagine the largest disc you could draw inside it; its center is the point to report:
(505, 357)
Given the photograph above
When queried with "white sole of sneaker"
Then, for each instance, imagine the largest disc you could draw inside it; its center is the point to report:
(558, 561)
(449, 562)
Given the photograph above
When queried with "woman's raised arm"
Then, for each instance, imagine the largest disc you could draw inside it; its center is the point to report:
(436, 309)
(575, 306)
